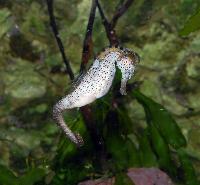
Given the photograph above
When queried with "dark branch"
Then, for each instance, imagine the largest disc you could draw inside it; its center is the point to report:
(110, 26)
(58, 40)
(87, 44)
(120, 11)
(103, 17)
(110, 32)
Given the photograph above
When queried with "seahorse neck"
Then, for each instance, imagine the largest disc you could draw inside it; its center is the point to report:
(111, 54)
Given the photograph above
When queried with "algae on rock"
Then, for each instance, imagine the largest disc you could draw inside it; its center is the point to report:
(22, 81)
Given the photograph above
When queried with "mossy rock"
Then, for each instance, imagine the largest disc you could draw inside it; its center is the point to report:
(22, 81)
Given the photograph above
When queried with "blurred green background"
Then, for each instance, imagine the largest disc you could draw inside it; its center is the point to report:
(33, 78)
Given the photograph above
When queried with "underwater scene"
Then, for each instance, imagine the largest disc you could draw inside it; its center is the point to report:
(99, 92)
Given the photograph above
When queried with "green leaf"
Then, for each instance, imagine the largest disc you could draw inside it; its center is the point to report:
(191, 25)
(41, 108)
(147, 157)
(5, 22)
(162, 150)
(116, 147)
(4, 14)
(7, 177)
(67, 149)
(123, 151)
(162, 120)
(132, 154)
(190, 177)
(125, 121)
(72, 173)
(101, 108)
(31, 177)
(123, 179)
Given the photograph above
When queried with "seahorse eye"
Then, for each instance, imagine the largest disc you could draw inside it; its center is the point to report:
(121, 48)
(132, 55)
(137, 57)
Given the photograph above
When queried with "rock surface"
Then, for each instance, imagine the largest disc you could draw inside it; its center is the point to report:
(139, 176)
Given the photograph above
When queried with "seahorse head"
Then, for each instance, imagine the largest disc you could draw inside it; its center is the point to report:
(127, 63)
(123, 56)
(133, 56)
(125, 59)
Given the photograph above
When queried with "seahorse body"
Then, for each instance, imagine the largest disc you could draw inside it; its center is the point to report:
(96, 83)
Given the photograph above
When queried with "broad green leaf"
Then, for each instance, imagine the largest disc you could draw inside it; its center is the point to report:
(101, 108)
(124, 121)
(123, 151)
(162, 120)
(147, 157)
(121, 148)
(72, 173)
(5, 22)
(7, 177)
(67, 149)
(190, 178)
(31, 177)
(4, 14)
(192, 24)
(116, 147)
(162, 150)
(132, 154)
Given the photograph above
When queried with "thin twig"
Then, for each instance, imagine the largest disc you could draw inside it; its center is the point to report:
(120, 11)
(103, 17)
(58, 40)
(87, 44)
(110, 32)
(110, 26)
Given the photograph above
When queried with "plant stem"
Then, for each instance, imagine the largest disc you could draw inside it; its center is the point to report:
(57, 37)
(87, 44)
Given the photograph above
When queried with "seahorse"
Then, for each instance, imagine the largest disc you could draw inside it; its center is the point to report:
(96, 83)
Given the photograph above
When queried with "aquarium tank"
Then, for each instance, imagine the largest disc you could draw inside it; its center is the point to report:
(99, 92)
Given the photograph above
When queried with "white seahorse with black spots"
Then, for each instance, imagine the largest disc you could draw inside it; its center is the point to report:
(96, 83)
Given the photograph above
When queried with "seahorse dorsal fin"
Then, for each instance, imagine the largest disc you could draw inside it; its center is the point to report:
(78, 79)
